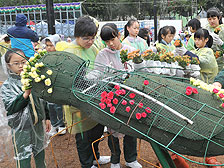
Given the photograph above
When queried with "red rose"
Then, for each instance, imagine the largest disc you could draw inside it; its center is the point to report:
(117, 87)
(188, 92)
(140, 105)
(123, 92)
(128, 109)
(221, 95)
(103, 99)
(132, 95)
(195, 91)
(109, 105)
(124, 102)
(146, 82)
(102, 105)
(189, 88)
(110, 95)
(138, 116)
(132, 102)
(215, 90)
(143, 115)
(148, 110)
(104, 94)
(115, 101)
(112, 109)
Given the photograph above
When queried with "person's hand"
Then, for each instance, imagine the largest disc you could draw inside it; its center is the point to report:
(180, 50)
(48, 125)
(26, 93)
(217, 85)
(216, 39)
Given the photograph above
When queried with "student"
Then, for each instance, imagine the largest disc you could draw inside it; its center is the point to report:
(55, 110)
(26, 122)
(208, 64)
(110, 56)
(214, 18)
(165, 36)
(89, 130)
(131, 31)
(194, 25)
(144, 33)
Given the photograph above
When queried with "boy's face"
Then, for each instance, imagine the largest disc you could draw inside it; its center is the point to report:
(49, 46)
(85, 42)
(16, 63)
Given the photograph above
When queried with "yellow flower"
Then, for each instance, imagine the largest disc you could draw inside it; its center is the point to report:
(25, 82)
(47, 82)
(37, 79)
(41, 64)
(23, 88)
(36, 65)
(50, 90)
(33, 74)
(31, 59)
(49, 72)
(36, 54)
(42, 77)
(33, 69)
(25, 66)
(39, 51)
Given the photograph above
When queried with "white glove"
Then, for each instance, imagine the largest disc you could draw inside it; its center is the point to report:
(216, 39)
(180, 50)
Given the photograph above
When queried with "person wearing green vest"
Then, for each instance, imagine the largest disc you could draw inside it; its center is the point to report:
(132, 39)
(87, 131)
(209, 67)
(165, 36)
(216, 27)
(194, 25)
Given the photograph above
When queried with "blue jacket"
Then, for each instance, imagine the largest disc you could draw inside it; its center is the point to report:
(21, 36)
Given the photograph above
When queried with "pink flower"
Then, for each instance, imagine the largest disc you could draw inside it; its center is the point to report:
(104, 94)
(102, 105)
(140, 105)
(195, 91)
(146, 82)
(222, 105)
(115, 101)
(148, 110)
(132, 95)
(118, 92)
(117, 87)
(188, 92)
(108, 101)
(132, 102)
(110, 95)
(124, 102)
(103, 99)
(109, 105)
(143, 115)
(221, 95)
(128, 108)
(123, 92)
(138, 116)
(189, 88)
(112, 109)
(215, 90)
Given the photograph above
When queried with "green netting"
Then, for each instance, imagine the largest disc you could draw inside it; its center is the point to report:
(75, 84)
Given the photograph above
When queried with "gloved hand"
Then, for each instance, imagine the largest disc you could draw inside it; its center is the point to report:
(216, 39)
(180, 50)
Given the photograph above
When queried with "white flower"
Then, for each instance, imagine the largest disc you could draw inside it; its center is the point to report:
(25, 66)
(33, 69)
(39, 51)
(37, 79)
(23, 88)
(47, 82)
(22, 73)
(41, 64)
(25, 82)
(36, 65)
(42, 77)
(50, 90)
(49, 72)
(36, 54)
(31, 59)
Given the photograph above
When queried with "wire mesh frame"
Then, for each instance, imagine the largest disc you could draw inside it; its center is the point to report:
(197, 113)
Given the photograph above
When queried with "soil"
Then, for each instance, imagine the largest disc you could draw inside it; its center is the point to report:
(66, 155)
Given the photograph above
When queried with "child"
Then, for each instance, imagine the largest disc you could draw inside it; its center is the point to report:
(25, 121)
(89, 130)
(208, 64)
(144, 33)
(131, 31)
(55, 110)
(111, 57)
(194, 25)
(165, 37)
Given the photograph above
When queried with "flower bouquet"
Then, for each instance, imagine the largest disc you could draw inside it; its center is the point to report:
(31, 72)
(217, 30)
(195, 68)
(178, 43)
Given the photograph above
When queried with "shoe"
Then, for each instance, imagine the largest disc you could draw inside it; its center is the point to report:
(60, 129)
(93, 166)
(134, 164)
(53, 131)
(102, 160)
(115, 165)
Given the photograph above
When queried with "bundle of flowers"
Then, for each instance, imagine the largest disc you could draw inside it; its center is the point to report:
(31, 72)
(167, 57)
(217, 30)
(178, 43)
(148, 55)
(183, 61)
(135, 56)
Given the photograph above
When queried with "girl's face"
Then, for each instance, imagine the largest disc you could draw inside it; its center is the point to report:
(49, 46)
(168, 38)
(213, 21)
(200, 42)
(133, 29)
(16, 63)
(114, 43)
